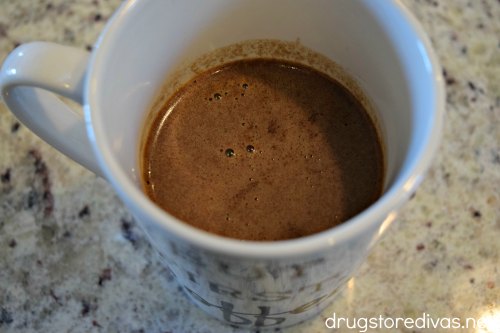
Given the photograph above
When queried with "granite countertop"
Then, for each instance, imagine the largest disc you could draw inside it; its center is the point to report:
(72, 259)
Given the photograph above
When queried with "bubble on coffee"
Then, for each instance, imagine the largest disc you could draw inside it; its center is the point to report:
(250, 148)
(230, 152)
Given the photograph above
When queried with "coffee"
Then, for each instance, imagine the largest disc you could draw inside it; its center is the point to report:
(263, 149)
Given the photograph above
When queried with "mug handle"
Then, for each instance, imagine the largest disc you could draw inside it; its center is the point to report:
(31, 76)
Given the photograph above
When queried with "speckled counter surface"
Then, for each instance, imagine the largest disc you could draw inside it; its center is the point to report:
(73, 260)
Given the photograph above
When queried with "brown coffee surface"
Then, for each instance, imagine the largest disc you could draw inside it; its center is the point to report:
(263, 150)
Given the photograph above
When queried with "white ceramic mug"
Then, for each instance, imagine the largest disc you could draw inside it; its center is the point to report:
(248, 284)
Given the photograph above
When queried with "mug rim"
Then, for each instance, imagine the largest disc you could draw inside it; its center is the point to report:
(382, 212)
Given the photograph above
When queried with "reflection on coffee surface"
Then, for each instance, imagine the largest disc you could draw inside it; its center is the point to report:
(262, 149)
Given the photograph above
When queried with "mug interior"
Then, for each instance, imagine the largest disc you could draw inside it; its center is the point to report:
(375, 42)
